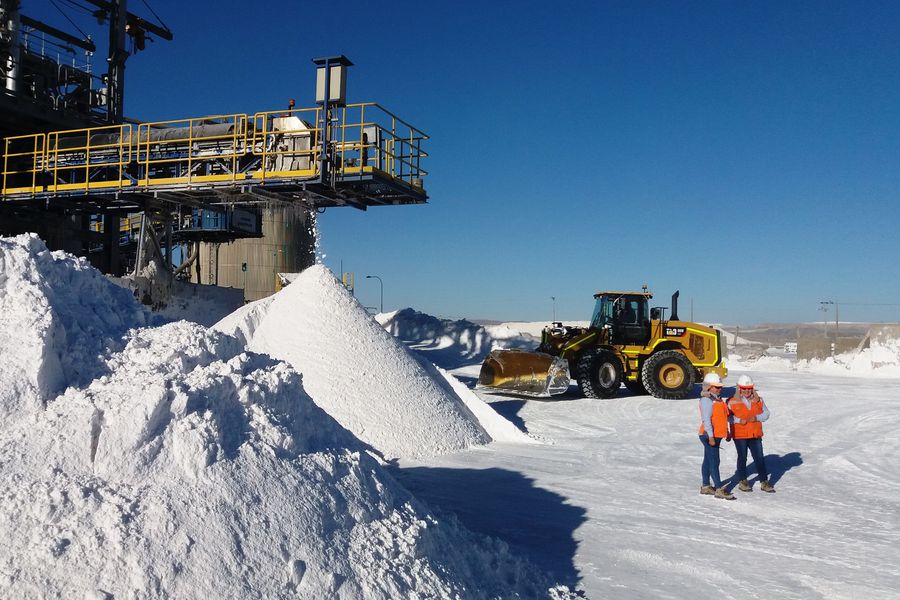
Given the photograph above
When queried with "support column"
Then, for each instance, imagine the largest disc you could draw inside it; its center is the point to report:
(112, 261)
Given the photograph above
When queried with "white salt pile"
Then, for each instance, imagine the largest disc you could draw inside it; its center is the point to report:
(452, 343)
(880, 358)
(449, 344)
(188, 468)
(57, 313)
(356, 371)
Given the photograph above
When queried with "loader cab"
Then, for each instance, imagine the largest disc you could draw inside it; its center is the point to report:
(625, 315)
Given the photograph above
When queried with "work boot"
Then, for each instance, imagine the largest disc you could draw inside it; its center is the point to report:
(724, 494)
(745, 486)
(767, 487)
(707, 490)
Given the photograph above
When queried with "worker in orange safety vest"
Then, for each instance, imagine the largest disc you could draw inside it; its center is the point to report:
(714, 427)
(749, 411)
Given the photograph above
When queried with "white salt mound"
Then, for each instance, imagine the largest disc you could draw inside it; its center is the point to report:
(880, 359)
(449, 344)
(57, 314)
(355, 370)
(189, 468)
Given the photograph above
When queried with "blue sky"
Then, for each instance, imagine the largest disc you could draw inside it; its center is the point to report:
(746, 153)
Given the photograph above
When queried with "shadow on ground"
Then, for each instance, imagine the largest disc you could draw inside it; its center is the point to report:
(467, 380)
(536, 523)
(778, 465)
(509, 410)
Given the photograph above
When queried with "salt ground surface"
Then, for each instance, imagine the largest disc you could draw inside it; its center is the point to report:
(169, 462)
(360, 374)
(165, 462)
(609, 502)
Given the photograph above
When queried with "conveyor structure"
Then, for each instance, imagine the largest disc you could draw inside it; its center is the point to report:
(373, 159)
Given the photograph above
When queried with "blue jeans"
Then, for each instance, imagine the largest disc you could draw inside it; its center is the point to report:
(710, 467)
(756, 449)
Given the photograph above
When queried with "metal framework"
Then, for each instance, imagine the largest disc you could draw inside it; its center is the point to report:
(373, 158)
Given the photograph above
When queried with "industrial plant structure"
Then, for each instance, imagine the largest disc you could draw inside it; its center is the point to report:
(224, 199)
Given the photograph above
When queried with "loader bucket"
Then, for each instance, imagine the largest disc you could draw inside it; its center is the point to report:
(522, 372)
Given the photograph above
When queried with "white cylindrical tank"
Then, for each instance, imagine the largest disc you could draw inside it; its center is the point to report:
(287, 246)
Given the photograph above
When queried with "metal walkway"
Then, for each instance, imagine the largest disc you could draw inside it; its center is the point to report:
(373, 159)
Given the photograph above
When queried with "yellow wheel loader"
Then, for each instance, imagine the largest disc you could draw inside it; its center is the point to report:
(626, 343)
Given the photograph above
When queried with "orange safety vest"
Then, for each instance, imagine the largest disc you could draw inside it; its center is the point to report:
(740, 411)
(719, 419)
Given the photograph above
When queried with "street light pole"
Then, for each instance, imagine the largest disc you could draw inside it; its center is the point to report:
(836, 307)
(823, 306)
(380, 287)
(554, 307)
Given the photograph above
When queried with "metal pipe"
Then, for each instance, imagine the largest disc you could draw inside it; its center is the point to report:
(11, 18)
(186, 264)
(115, 76)
(58, 33)
(169, 244)
(162, 32)
(215, 132)
(142, 236)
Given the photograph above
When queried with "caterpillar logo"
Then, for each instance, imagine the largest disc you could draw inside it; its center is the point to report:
(675, 331)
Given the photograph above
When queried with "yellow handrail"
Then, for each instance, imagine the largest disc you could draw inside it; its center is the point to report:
(365, 139)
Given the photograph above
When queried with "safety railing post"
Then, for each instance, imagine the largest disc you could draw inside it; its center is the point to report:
(418, 154)
(363, 142)
(87, 160)
(7, 143)
(146, 150)
(34, 163)
(234, 149)
(340, 167)
(121, 155)
(190, 153)
(265, 145)
(55, 159)
(33, 160)
(410, 155)
(393, 145)
(6, 162)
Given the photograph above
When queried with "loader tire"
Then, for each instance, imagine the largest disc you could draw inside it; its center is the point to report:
(599, 374)
(636, 387)
(668, 374)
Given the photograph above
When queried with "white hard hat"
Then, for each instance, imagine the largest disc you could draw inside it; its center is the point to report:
(745, 381)
(712, 379)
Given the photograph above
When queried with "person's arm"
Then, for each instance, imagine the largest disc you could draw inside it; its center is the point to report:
(730, 433)
(764, 415)
(706, 406)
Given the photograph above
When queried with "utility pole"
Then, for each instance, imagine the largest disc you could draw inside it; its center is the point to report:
(122, 22)
(115, 74)
(823, 306)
